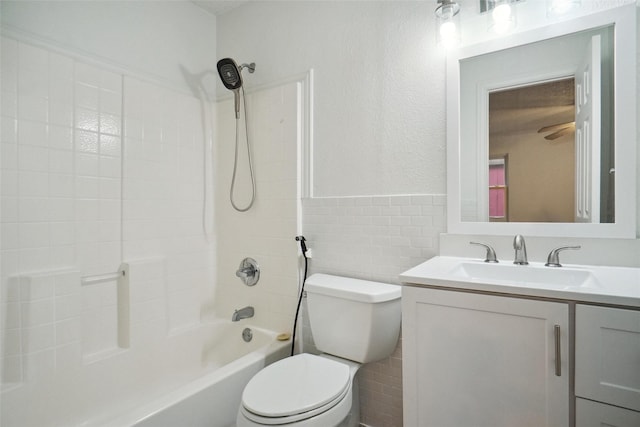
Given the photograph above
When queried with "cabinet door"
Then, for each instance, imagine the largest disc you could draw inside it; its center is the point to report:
(480, 360)
(595, 414)
(608, 355)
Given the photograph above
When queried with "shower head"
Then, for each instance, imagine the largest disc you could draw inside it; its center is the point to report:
(231, 77)
(230, 74)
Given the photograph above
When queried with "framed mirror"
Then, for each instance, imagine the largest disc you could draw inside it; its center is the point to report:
(541, 131)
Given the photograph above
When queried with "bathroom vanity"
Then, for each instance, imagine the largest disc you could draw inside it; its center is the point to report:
(508, 345)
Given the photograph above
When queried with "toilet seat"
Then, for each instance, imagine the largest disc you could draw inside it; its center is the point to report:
(295, 389)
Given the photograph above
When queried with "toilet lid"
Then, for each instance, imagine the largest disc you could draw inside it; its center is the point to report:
(295, 385)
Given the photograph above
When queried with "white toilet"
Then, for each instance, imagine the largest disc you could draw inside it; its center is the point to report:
(353, 322)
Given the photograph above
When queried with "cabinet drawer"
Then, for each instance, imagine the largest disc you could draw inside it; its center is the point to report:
(608, 355)
(595, 414)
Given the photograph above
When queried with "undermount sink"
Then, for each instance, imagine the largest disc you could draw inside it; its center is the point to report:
(539, 275)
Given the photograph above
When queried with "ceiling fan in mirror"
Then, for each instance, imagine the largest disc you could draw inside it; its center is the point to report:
(557, 130)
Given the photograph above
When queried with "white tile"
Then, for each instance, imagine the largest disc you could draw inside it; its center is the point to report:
(60, 113)
(67, 306)
(110, 167)
(32, 158)
(39, 365)
(8, 130)
(9, 104)
(32, 133)
(33, 184)
(68, 356)
(110, 145)
(32, 83)
(33, 209)
(61, 209)
(9, 184)
(110, 188)
(61, 233)
(61, 91)
(34, 108)
(110, 102)
(87, 74)
(12, 342)
(11, 369)
(61, 185)
(67, 283)
(111, 81)
(60, 137)
(87, 164)
(63, 255)
(37, 313)
(11, 315)
(34, 235)
(60, 66)
(87, 187)
(87, 96)
(86, 119)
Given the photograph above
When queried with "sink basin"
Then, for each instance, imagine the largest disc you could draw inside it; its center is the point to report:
(588, 283)
(563, 278)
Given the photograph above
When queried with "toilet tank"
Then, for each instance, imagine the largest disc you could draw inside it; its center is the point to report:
(354, 319)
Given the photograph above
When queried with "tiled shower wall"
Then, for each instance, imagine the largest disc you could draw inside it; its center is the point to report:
(374, 238)
(267, 231)
(98, 168)
(61, 206)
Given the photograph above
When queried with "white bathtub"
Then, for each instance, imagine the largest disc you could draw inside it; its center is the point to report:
(212, 399)
(193, 378)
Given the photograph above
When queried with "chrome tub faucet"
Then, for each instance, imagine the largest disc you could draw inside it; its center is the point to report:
(521, 250)
(243, 313)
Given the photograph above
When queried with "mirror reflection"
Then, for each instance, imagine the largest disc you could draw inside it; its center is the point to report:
(537, 132)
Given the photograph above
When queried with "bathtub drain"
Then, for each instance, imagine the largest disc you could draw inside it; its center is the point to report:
(247, 334)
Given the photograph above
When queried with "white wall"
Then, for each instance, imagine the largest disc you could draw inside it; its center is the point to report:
(379, 87)
(152, 38)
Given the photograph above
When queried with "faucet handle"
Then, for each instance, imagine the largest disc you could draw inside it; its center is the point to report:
(491, 254)
(553, 260)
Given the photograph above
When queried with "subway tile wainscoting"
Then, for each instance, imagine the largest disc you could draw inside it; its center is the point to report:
(374, 238)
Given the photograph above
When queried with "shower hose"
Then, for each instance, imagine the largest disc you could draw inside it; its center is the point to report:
(235, 162)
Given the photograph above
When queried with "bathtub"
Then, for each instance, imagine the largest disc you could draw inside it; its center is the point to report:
(212, 399)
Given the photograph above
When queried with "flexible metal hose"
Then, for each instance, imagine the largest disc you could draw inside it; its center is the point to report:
(235, 162)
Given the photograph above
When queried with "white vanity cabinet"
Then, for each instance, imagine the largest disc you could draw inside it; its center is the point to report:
(607, 369)
(484, 360)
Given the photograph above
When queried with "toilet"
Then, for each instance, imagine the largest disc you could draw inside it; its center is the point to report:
(353, 322)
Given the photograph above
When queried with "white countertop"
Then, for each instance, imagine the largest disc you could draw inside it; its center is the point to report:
(582, 283)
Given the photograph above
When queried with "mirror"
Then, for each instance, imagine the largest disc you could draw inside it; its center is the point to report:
(542, 137)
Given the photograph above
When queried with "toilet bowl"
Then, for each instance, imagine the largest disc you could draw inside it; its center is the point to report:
(353, 322)
(304, 390)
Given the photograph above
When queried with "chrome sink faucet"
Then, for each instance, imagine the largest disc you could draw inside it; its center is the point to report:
(521, 250)
(243, 313)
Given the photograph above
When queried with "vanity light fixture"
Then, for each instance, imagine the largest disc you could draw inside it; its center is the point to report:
(448, 23)
(502, 16)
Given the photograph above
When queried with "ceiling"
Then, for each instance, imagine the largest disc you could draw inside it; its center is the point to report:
(219, 7)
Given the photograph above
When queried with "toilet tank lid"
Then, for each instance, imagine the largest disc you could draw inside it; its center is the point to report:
(352, 289)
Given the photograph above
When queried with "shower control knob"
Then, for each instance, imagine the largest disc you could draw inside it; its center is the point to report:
(249, 271)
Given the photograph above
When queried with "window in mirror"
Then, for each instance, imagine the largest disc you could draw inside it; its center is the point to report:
(498, 194)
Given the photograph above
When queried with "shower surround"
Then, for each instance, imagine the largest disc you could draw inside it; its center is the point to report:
(104, 174)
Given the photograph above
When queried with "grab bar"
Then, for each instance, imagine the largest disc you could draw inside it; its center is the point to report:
(100, 278)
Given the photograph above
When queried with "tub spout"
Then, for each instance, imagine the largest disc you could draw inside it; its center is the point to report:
(243, 313)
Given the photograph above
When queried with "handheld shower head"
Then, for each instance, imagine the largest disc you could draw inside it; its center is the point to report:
(231, 79)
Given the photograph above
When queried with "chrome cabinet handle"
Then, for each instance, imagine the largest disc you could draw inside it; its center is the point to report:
(556, 334)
